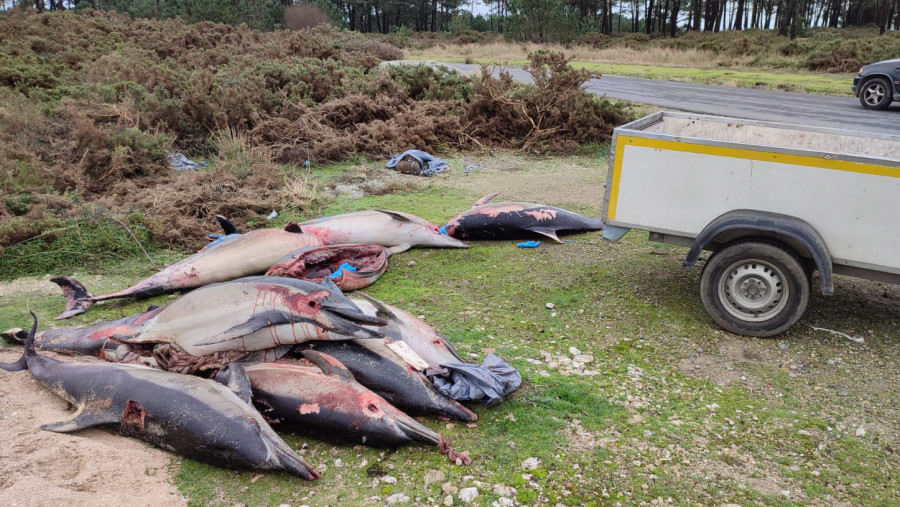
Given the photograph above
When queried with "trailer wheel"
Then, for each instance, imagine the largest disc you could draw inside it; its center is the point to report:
(754, 288)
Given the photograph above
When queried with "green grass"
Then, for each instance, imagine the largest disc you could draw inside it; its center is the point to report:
(826, 84)
(645, 424)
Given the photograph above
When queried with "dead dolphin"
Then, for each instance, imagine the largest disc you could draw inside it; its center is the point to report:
(256, 313)
(247, 254)
(187, 415)
(96, 340)
(223, 322)
(325, 399)
(380, 369)
(517, 220)
(316, 263)
(385, 228)
(403, 326)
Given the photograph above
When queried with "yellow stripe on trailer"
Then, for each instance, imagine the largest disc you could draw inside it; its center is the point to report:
(722, 151)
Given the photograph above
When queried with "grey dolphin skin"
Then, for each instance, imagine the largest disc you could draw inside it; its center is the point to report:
(190, 416)
(381, 227)
(325, 399)
(244, 255)
(517, 220)
(219, 323)
(378, 368)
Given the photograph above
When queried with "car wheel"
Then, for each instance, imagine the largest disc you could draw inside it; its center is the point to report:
(876, 94)
(754, 288)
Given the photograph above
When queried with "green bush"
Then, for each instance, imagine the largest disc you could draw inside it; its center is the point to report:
(75, 244)
(425, 82)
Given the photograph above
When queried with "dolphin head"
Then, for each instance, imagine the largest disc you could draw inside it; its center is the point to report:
(337, 314)
(433, 236)
(384, 424)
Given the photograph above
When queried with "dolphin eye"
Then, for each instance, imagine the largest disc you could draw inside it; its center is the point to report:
(312, 304)
(372, 408)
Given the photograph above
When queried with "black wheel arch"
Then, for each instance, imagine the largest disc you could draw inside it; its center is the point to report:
(864, 80)
(791, 231)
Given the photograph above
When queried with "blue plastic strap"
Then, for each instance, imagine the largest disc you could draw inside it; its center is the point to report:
(340, 270)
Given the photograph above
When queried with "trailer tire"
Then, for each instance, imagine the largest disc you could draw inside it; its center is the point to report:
(755, 288)
(876, 93)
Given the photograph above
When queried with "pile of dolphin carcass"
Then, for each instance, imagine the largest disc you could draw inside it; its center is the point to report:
(204, 374)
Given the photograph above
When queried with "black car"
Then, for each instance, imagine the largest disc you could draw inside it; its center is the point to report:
(878, 84)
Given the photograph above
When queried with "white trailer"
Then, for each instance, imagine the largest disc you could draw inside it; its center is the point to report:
(773, 202)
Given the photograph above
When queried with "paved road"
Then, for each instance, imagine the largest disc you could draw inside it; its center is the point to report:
(767, 105)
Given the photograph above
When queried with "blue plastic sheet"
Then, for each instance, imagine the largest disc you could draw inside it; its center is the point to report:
(430, 164)
(219, 238)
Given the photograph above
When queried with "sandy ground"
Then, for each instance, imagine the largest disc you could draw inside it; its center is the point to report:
(91, 467)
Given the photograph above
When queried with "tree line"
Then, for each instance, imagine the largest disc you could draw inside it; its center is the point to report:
(534, 20)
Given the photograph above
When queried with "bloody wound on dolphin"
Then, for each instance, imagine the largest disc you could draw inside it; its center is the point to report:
(188, 415)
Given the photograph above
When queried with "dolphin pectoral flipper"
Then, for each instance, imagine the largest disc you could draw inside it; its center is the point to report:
(382, 311)
(328, 364)
(84, 418)
(270, 318)
(550, 233)
(78, 299)
(397, 249)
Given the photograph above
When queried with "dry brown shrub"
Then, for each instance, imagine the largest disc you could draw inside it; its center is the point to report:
(102, 97)
(359, 125)
(553, 114)
(105, 151)
(304, 16)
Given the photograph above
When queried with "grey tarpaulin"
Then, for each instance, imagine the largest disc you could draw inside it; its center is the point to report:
(487, 383)
(430, 165)
(181, 163)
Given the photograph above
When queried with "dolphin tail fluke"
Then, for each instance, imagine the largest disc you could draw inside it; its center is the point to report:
(22, 363)
(78, 299)
(15, 335)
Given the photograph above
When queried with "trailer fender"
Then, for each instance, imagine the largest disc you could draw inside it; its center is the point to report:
(773, 223)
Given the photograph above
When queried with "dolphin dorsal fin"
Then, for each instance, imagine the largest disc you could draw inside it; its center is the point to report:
(227, 226)
(396, 215)
(239, 382)
(485, 199)
(293, 227)
(328, 364)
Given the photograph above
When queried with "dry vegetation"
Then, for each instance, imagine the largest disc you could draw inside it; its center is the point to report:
(819, 50)
(92, 103)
